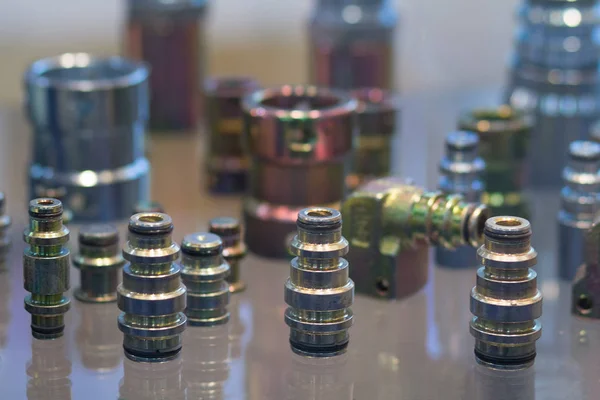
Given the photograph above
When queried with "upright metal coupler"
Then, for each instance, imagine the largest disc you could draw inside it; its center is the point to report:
(151, 296)
(460, 173)
(580, 198)
(319, 292)
(204, 271)
(99, 261)
(46, 268)
(506, 302)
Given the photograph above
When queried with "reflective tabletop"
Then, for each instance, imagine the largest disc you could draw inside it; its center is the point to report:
(416, 348)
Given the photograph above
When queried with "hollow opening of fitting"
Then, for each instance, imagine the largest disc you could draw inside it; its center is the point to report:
(151, 218)
(45, 202)
(508, 222)
(382, 286)
(319, 213)
(585, 304)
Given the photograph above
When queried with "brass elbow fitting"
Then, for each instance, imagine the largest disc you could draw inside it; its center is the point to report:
(390, 224)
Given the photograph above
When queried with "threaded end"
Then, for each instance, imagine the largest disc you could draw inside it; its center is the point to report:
(151, 223)
(319, 219)
(202, 244)
(98, 235)
(45, 208)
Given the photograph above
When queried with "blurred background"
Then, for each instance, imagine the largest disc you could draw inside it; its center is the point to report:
(436, 47)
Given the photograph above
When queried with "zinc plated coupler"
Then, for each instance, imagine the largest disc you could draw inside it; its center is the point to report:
(580, 198)
(46, 268)
(151, 297)
(460, 173)
(390, 224)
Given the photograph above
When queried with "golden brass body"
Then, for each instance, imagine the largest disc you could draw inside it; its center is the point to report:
(390, 223)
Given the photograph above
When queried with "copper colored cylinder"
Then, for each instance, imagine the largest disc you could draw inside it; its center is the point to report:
(300, 141)
(376, 116)
(170, 37)
(227, 165)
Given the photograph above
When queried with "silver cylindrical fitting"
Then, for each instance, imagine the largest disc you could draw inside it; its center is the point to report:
(580, 198)
(98, 261)
(204, 272)
(506, 302)
(169, 35)
(151, 295)
(88, 116)
(319, 291)
(460, 173)
(5, 222)
(234, 249)
(46, 268)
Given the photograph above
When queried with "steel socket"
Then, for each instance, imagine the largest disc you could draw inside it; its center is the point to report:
(234, 249)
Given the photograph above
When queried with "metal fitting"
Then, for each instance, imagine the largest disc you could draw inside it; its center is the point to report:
(234, 249)
(5, 242)
(586, 286)
(300, 140)
(88, 115)
(203, 272)
(319, 292)
(504, 139)
(554, 78)
(460, 173)
(390, 223)
(169, 35)
(57, 193)
(99, 261)
(376, 116)
(580, 199)
(46, 268)
(506, 302)
(148, 207)
(151, 296)
(352, 47)
(226, 162)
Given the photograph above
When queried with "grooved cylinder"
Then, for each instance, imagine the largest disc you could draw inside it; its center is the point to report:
(299, 138)
(169, 35)
(554, 77)
(204, 272)
(227, 164)
(460, 173)
(98, 261)
(88, 115)
(506, 302)
(580, 198)
(234, 249)
(151, 295)
(504, 141)
(376, 121)
(319, 292)
(46, 268)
